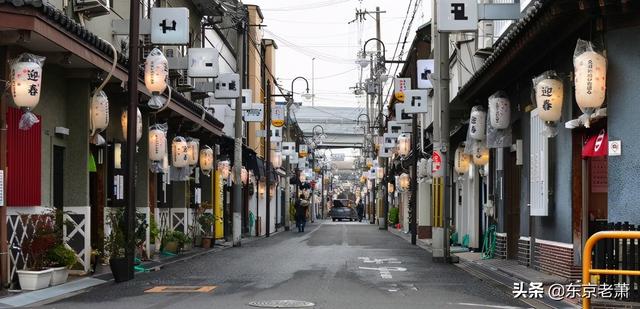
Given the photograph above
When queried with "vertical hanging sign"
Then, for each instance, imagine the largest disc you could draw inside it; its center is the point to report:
(437, 169)
(277, 115)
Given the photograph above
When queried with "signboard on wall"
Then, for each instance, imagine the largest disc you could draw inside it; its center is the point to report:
(170, 26)
(457, 15)
(425, 69)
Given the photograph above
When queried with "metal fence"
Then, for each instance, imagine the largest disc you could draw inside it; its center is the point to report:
(618, 254)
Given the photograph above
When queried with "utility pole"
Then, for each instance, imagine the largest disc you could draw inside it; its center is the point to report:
(267, 156)
(132, 111)
(441, 129)
(237, 154)
(414, 181)
(287, 165)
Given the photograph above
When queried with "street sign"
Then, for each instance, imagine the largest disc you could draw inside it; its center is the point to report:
(247, 99)
(276, 134)
(457, 15)
(399, 86)
(417, 101)
(227, 86)
(288, 148)
(261, 133)
(170, 26)
(303, 150)
(255, 114)
(398, 128)
(385, 151)
(425, 68)
(615, 148)
(293, 158)
(401, 114)
(203, 62)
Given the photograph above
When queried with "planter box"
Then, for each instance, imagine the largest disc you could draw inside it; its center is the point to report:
(171, 246)
(59, 275)
(119, 270)
(206, 242)
(34, 280)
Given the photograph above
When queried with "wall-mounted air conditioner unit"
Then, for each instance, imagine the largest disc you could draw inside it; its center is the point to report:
(91, 8)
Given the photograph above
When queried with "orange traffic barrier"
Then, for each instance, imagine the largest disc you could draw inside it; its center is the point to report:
(587, 271)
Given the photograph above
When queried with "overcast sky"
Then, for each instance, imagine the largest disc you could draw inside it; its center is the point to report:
(307, 29)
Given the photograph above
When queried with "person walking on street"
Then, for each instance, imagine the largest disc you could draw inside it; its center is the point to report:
(360, 210)
(302, 207)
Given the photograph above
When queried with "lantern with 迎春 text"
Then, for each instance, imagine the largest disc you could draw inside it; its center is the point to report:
(179, 152)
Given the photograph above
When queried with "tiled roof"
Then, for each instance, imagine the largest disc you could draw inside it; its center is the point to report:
(81, 32)
(507, 42)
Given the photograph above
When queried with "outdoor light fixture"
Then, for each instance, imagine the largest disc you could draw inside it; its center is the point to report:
(369, 162)
(549, 96)
(276, 159)
(179, 152)
(302, 177)
(206, 160)
(244, 175)
(404, 144)
(262, 188)
(499, 110)
(99, 112)
(156, 73)
(380, 172)
(117, 155)
(390, 187)
(404, 181)
(193, 145)
(362, 59)
(363, 179)
(478, 123)
(26, 79)
(123, 122)
(590, 76)
(303, 150)
(369, 184)
(461, 161)
(224, 167)
(307, 96)
(157, 143)
(480, 154)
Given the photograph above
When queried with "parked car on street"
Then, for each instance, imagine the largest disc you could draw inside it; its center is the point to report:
(343, 209)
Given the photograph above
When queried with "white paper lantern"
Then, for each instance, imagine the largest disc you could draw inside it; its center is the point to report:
(123, 121)
(244, 175)
(404, 144)
(405, 181)
(157, 144)
(179, 152)
(480, 154)
(276, 159)
(156, 71)
(380, 172)
(390, 188)
(549, 97)
(224, 167)
(478, 123)
(369, 184)
(262, 186)
(499, 110)
(206, 160)
(99, 112)
(462, 161)
(302, 177)
(590, 79)
(193, 146)
(26, 79)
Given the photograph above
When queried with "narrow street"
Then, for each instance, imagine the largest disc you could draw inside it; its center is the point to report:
(332, 265)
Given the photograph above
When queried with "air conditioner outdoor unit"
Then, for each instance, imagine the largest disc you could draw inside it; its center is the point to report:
(485, 34)
(91, 8)
(185, 83)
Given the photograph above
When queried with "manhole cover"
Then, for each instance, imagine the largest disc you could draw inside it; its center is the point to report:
(281, 304)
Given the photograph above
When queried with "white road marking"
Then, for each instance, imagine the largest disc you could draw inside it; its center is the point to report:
(385, 272)
(484, 306)
(379, 261)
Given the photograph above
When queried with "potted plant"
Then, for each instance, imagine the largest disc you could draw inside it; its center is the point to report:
(61, 258)
(170, 242)
(34, 249)
(206, 221)
(115, 246)
(154, 232)
(185, 243)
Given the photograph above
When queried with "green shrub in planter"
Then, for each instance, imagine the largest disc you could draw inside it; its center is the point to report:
(394, 215)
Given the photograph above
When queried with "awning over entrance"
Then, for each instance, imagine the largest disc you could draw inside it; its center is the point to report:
(596, 145)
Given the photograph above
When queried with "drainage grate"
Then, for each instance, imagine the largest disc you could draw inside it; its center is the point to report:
(181, 289)
(281, 304)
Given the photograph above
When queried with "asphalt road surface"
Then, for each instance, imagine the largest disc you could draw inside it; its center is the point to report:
(338, 265)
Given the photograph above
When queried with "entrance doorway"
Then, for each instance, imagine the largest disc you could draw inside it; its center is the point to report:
(512, 204)
(58, 177)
